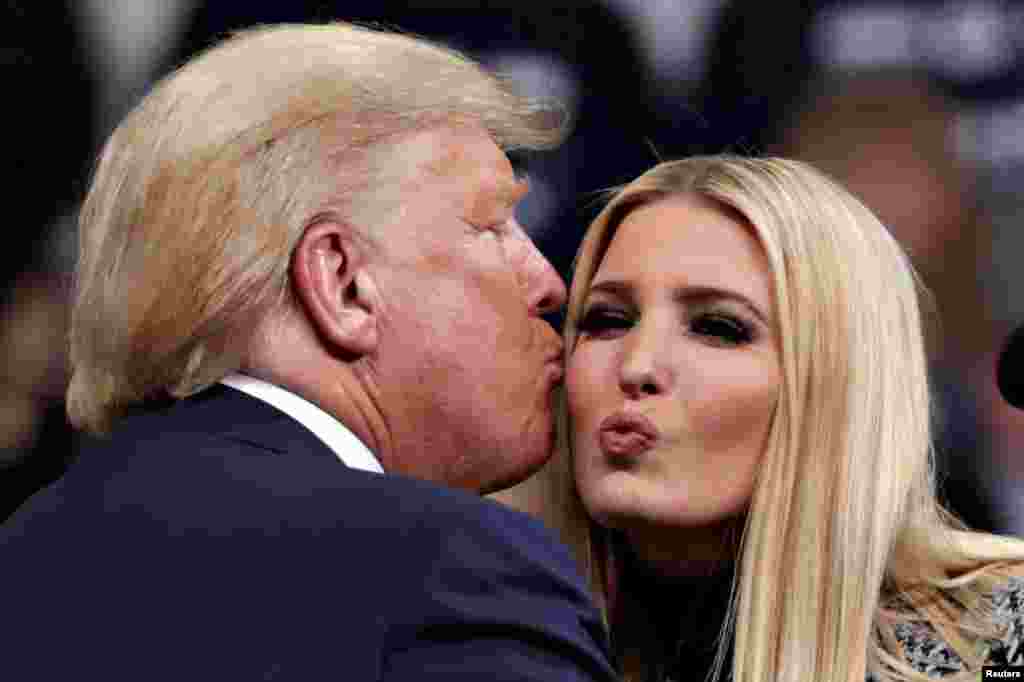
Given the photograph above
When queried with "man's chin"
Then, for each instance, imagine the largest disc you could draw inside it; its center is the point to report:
(529, 465)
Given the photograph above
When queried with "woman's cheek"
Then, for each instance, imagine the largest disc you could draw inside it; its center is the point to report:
(583, 385)
(733, 414)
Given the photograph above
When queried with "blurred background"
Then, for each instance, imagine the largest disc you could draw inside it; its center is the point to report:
(917, 106)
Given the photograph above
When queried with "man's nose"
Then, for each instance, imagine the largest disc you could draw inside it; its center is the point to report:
(546, 293)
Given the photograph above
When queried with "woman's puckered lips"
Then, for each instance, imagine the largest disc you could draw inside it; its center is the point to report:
(626, 434)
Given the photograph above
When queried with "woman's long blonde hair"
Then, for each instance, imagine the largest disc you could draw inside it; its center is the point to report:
(844, 537)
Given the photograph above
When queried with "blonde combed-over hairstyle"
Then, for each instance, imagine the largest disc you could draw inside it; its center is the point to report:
(844, 537)
(201, 193)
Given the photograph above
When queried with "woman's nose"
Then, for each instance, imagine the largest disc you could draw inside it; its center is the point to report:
(645, 370)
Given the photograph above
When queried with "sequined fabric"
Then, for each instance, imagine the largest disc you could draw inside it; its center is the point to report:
(929, 655)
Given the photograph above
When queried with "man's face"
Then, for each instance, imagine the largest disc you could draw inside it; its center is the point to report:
(466, 366)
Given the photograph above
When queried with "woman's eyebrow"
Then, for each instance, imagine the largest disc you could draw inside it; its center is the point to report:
(616, 288)
(709, 294)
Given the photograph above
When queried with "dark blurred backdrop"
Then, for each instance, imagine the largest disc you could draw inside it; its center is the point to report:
(917, 106)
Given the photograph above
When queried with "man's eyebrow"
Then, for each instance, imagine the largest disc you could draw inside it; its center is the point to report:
(494, 202)
(686, 295)
(509, 193)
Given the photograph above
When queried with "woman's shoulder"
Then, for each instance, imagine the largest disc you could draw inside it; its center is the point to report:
(928, 653)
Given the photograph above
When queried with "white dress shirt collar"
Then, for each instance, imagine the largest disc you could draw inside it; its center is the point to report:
(345, 444)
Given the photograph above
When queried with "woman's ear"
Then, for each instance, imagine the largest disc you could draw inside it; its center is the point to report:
(334, 288)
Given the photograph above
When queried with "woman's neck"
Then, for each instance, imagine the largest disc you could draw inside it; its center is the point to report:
(683, 553)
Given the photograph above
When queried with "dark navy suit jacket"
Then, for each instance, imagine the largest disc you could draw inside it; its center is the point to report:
(218, 539)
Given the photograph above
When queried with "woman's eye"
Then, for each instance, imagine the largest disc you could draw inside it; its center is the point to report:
(598, 320)
(722, 328)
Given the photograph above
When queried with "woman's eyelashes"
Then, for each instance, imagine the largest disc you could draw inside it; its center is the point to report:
(716, 327)
(723, 328)
(600, 320)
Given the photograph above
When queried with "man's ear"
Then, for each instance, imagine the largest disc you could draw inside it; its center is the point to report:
(328, 272)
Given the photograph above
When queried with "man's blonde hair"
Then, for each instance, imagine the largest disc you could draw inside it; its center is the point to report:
(200, 195)
(844, 537)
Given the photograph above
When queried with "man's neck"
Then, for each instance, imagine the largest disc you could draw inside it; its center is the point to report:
(343, 398)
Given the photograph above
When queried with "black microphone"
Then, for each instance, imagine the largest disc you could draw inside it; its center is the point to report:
(1010, 370)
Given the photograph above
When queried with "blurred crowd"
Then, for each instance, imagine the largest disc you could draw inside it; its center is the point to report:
(917, 106)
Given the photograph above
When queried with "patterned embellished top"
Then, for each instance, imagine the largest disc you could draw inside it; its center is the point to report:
(928, 654)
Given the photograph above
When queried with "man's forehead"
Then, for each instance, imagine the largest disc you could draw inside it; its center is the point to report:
(459, 152)
(473, 157)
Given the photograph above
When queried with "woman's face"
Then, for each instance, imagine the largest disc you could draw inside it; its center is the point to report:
(675, 376)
